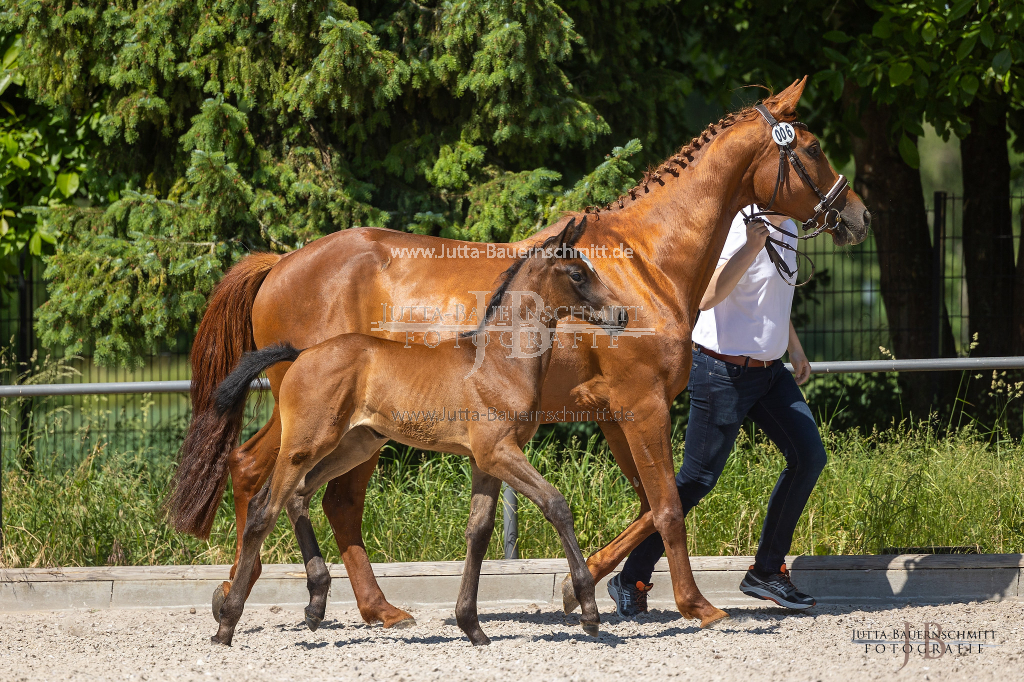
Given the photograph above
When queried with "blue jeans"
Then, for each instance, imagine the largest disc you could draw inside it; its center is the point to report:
(721, 395)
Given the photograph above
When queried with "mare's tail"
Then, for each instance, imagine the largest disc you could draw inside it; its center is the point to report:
(224, 335)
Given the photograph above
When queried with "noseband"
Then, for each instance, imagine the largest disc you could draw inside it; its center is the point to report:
(825, 212)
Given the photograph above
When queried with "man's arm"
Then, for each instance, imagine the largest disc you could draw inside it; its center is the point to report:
(728, 275)
(801, 367)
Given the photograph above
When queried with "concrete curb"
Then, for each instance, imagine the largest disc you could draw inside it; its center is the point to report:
(904, 579)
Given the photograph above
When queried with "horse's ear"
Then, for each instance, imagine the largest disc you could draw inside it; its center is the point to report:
(783, 105)
(566, 234)
(577, 232)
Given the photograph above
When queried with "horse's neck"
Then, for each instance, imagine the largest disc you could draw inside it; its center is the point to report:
(526, 371)
(680, 228)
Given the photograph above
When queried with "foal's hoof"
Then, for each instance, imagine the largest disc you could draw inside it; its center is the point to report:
(479, 639)
(569, 601)
(313, 622)
(220, 593)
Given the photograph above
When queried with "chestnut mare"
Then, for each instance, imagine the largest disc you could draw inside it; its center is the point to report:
(675, 222)
(338, 402)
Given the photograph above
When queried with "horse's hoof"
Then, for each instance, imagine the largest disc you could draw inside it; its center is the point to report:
(592, 629)
(403, 624)
(479, 639)
(216, 640)
(715, 618)
(220, 593)
(313, 622)
(569, 601)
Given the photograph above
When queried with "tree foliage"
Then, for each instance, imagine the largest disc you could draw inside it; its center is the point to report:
(199, 131)
(928, 60)
(44, 160)
(232, 126)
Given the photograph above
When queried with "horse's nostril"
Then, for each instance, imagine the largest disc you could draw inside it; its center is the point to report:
(867, 217)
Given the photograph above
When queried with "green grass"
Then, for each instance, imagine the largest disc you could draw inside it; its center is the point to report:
(900, 487)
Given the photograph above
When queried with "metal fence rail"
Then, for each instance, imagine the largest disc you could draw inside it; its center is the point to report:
(841, 367)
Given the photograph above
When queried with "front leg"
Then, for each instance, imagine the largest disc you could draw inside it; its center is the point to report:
(479, 529)
(604, 561)
(508, 463)
(648, 439)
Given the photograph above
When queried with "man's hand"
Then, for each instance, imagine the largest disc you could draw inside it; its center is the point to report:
(728, 274)
(801, 367)
(757, 235)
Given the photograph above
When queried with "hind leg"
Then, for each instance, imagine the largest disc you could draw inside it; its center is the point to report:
(250, 465)
(312, 441)
(264, 508)
(318, 577)
(343, 504)
(357, 446)
(479, 529)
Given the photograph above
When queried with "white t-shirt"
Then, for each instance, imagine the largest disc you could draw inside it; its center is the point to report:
(753, 320)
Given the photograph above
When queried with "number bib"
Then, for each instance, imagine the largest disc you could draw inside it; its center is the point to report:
(783, 133)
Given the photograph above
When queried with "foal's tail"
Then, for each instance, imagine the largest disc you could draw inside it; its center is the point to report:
(230, 396)
(224, 335)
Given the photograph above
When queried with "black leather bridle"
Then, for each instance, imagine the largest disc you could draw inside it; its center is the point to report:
(825, 217)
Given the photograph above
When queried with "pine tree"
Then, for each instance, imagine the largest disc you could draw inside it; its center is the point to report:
(233, 126)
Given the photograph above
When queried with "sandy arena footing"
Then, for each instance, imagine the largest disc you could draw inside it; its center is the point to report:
(914, 617)
(978, 641)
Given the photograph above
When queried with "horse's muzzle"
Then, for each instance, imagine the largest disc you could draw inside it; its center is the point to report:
(620, 315)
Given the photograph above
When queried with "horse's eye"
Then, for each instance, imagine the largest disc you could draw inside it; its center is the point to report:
(814, 150)
(576, 276)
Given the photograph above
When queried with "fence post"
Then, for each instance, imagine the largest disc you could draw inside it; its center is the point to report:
(510, 521)
(1, 477)
(26, 345)
(938, 270)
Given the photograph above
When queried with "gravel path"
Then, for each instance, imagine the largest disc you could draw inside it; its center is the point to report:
(528, 643)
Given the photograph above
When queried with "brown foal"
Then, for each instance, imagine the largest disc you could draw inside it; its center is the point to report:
(675, 223)
(343, 399)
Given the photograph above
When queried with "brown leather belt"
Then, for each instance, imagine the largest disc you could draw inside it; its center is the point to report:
(741, 360)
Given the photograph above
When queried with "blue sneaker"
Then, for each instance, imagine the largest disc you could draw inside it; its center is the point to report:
(629, 600)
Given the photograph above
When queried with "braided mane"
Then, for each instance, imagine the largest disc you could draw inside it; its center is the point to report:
(684, 158)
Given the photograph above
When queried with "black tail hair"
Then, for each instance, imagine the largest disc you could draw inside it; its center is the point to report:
(231, 393)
